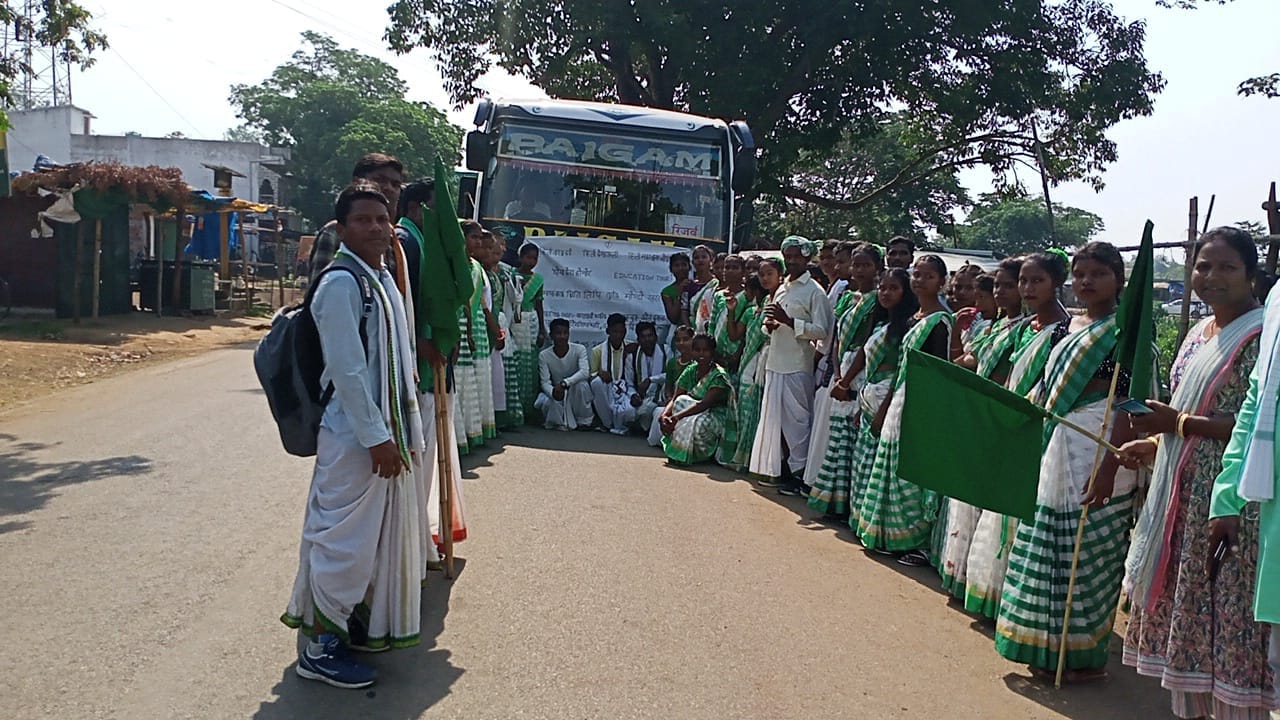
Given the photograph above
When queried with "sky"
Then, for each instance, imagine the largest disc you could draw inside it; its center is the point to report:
(171, 65)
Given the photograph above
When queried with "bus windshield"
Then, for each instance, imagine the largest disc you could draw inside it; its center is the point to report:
(607, 182)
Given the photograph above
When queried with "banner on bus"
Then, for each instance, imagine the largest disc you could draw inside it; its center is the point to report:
(588, 279)
(592, 150)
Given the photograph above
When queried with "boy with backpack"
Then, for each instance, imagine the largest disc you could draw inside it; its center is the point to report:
(360, 558)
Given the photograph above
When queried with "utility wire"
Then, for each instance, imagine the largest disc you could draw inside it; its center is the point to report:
(362, 40)
(157, 92)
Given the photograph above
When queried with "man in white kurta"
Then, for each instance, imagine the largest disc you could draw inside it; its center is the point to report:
(565, 400)
(360, 568)
(610, 391)
(799, 316)
(646, 374)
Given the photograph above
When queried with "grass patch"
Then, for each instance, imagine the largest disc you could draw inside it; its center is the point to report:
(32, 329)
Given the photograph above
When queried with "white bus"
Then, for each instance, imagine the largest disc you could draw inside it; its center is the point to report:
(608, 192)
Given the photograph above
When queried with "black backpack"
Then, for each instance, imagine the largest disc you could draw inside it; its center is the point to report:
(289, 362)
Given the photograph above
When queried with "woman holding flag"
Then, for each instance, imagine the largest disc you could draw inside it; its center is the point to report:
(1188, 626)
(1039, 276)
(896, 516)
(987, 354)
(1078, 374)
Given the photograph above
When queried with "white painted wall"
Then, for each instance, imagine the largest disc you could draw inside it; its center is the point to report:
(43, 131)
(59, 133)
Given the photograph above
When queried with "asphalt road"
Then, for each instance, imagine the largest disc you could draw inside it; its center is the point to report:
(149, 527)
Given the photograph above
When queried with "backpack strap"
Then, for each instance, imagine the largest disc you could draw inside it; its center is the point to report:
(366, 301)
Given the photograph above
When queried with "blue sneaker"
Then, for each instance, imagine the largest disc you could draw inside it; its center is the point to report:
(333, 665)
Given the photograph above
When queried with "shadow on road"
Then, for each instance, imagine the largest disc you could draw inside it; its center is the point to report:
(582, 441)
(27, 481)
(410, 680)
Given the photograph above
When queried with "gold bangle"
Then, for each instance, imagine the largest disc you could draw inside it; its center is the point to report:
(1154, 440)
(1182, 424)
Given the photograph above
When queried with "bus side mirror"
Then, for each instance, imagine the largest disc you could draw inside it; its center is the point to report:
(744, 157)
(744, 171)
(478, 151)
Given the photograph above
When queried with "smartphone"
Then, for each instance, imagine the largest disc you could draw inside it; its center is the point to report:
(1134, 407)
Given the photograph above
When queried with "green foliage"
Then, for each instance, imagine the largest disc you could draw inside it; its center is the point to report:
(240, 133)
(1166, 342)
(859, 167)
(1010, 225)
(64, 25)
(330, 106)
(971, 76)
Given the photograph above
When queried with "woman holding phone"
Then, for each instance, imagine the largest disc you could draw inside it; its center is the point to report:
(1192, 619)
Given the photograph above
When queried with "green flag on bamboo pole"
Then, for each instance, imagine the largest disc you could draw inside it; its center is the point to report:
(1135, 346)
(444, 274)
(969, 438)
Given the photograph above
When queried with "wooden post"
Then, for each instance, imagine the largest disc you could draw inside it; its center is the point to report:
(157, 254)
(279, 261)
(224, 246)
(76, 281)
(178, 250)
(444, 465)
(1193, 216)
(97, 264)
(1273, 227)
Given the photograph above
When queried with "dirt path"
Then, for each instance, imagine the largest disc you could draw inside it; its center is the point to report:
(42, 356)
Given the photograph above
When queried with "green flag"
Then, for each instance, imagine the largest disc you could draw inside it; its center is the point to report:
(444, 273)
(1135, 347)
(969, 438)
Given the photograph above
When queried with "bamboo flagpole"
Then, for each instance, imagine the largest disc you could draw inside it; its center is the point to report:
(444, 464)
(1107, 416)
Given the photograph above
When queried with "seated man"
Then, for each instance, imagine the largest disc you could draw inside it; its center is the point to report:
(565, 400)
(527, 206)
(610, 391)
(646, 374)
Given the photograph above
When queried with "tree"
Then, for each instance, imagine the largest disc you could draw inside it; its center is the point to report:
(1264, 85)
(858, 167)
(63, 25)
(330, 106)
(982, 81)
(1011, 225)
(241, 133)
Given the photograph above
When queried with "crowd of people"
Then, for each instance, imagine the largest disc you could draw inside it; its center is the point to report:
(792, 372)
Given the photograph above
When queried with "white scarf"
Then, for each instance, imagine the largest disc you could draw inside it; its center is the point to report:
(1257, 477)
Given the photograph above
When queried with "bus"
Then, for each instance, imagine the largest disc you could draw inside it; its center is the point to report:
(608, 193)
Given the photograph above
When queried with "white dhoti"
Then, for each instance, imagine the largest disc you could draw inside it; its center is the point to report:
(498, 372)
(572, 411)
(645, 414)
(429, 478)
(612, 403)
(655, 428)
(359, 546)
(785, 414)
(820, 432)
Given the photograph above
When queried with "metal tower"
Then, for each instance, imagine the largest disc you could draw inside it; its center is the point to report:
(44, 80)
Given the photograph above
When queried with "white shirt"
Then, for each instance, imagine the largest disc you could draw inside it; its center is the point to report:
(648, 367)
(570, 369)
(356, 373)
(791, 348)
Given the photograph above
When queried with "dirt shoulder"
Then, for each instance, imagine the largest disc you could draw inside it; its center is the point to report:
(41, 356)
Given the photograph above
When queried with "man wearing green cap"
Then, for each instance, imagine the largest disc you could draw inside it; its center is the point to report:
(799, 316)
